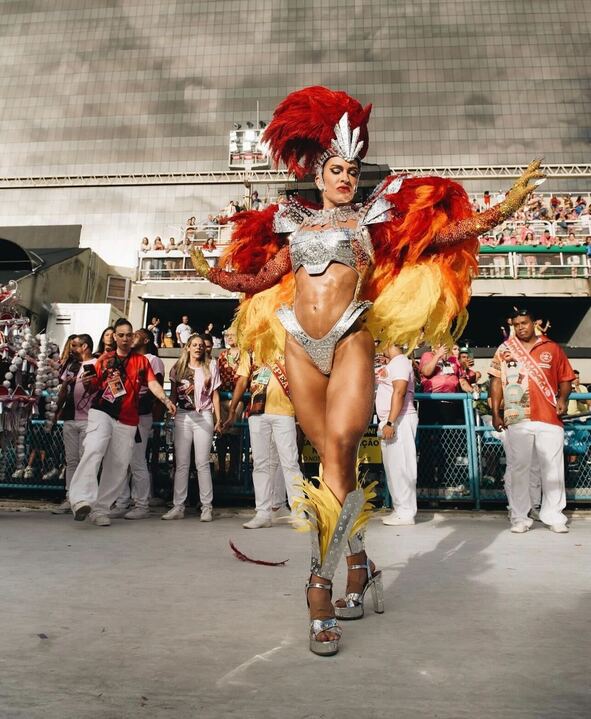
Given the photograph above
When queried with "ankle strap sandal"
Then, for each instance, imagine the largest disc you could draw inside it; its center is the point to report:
(323, 647)
(353, 601)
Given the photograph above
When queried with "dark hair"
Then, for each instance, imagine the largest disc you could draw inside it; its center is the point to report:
(121, 322)
(522, 312)
(152, 349)
(101, 344)
(86, 340)
(206, 338)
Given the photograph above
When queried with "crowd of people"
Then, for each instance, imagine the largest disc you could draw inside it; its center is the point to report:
(109, 399)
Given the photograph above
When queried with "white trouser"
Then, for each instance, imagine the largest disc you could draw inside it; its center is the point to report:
(524, 441)
(266, 431)
(74, 433)
(535, 477)
(139, 490)
(193, 428)
(399, 456)
(110, 442)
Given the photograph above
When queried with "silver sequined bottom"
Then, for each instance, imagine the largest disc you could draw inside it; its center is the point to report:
(321, 351)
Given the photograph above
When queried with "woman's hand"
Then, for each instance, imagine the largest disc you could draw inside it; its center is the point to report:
(218, 427)
(526, 184)
(199, 262)
(388, 432)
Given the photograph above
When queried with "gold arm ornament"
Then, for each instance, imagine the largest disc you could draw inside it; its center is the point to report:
(199, 262)
(482, 222)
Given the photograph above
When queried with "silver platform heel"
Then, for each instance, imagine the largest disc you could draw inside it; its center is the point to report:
(326, 647)
(325, 567)
(354, 601)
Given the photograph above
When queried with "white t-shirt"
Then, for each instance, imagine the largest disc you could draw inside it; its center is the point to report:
(184, 332)
(398, 368)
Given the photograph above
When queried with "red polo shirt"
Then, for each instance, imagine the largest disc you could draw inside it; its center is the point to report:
(522, 398)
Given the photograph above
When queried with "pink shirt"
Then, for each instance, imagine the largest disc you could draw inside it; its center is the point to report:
(204, 393)
(78, 402)
(398, 368)
(445, 378)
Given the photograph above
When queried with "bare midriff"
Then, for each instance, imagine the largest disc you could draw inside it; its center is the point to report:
(320, 300)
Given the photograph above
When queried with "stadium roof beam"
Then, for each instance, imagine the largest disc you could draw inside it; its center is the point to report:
(240, 177)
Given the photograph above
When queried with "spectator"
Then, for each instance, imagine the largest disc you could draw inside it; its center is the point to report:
(208, 346)
(112, 426)
(106, 342)
(255, 201)
(398, 428)
(159, 245)
(486, 199)
(440, 373)
(271, 422)
(209, 245)
(578, 406)
(468, 376)
(531, 377)
(168, 337)
(73, 404)
(229, 441)
(145, 246)
(155, 331)
(66, 355)
(195, 381)
(139, 492)
(183, 331)
(191, 222)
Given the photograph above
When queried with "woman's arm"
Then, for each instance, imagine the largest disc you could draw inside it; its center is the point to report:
(271, 272)
(478, 224)
(217, 410)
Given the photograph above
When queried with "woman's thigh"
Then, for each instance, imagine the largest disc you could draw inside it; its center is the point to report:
(307, 386)
(350, 395)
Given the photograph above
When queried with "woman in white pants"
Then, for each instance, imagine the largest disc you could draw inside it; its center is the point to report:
(194, 382)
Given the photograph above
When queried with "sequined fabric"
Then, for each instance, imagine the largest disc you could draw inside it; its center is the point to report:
(321, 351)
(268, 275)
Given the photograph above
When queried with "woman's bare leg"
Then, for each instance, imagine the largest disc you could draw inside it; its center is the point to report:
(334, 413)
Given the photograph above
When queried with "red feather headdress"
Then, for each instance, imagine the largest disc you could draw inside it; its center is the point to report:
(303, 127)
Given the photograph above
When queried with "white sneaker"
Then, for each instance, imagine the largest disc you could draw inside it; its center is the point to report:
(259, 521)
(393, 520)
(62, 508)
(137, 513)
(18, 474)
(118, 512)
(559, 528)
(101, 520)
(81, 510)
(51, 474)
(206, 514)
(28, 473)
(174, 513)
(520, 527)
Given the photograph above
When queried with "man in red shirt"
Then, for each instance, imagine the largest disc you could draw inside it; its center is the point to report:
(112, 425)
(531, 377)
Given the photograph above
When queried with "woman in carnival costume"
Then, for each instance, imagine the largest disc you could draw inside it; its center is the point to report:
(321, 284)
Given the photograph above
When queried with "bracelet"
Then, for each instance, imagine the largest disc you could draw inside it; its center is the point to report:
(389, 424)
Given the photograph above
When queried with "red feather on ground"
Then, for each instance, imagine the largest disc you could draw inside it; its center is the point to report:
(243, 558)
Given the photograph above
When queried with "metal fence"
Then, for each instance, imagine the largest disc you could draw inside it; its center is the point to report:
(462, 463)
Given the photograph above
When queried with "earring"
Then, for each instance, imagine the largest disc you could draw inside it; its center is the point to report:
(321, 185)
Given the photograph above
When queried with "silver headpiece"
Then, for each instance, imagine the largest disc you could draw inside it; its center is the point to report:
(346, 144)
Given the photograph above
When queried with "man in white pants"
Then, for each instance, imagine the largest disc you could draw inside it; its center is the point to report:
(271, 424)
(112, 426)
(73, 405)
(398, 422)
(139, 490)
(531, 377)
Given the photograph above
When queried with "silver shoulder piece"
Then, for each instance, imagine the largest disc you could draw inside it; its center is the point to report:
(377, 207)
(290, 216)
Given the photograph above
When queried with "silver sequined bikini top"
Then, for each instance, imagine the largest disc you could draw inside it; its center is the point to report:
(316, 249)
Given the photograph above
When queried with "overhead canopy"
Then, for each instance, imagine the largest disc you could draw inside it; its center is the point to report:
(13, 258)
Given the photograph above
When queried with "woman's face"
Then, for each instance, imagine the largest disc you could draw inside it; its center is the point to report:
(338, 182)
(196, 349)
(108, 340)
(231, 340)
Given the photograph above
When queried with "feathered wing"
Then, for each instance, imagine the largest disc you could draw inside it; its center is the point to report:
(254, 242)
(420, 293)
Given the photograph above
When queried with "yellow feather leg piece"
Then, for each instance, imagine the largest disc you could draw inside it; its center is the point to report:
(318, 510)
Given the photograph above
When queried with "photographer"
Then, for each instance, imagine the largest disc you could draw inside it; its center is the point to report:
(74, 401)
(112, 425)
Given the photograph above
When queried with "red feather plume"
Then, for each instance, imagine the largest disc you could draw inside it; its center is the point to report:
(302, 126)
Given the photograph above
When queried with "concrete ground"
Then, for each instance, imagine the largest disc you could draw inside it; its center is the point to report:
(154, 619)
